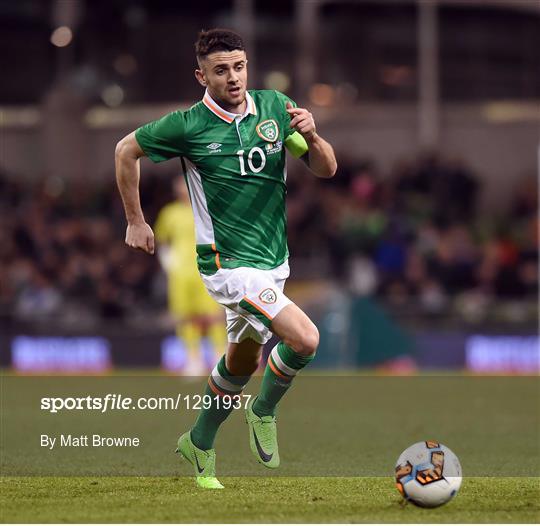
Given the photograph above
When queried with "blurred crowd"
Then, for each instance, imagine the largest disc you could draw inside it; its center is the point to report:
(414, 236)
(62, 255)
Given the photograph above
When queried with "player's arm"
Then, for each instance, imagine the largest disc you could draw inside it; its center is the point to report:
(159, 140)
(126, 156)
(320, 156)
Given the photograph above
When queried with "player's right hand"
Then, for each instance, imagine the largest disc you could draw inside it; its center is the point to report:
(140, 236)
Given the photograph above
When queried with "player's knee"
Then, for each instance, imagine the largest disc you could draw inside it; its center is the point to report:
(308, 341)
(244, 363)
(252, 364)
(244, 367)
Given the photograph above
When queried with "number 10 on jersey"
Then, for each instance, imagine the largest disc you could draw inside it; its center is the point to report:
(251, 160)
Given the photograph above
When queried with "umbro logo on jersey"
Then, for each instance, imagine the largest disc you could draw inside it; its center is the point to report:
(214, 147)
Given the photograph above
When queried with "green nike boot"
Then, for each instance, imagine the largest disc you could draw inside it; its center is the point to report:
(204, 462)
(263, 437)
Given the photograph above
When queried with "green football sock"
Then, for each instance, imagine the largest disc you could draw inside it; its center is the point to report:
(283, 364)
(220, 383)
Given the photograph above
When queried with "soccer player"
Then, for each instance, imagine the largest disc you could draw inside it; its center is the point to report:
(232, 146)
(196, 314)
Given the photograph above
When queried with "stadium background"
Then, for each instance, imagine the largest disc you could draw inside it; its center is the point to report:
(422, 253)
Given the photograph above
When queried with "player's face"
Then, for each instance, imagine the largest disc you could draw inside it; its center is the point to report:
(224, 73)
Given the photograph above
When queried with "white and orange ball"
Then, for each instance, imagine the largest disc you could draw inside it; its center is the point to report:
(428, 474)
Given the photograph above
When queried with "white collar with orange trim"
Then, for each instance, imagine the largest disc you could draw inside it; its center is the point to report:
(225, 115)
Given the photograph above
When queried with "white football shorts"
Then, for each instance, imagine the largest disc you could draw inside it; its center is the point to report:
(252, 297)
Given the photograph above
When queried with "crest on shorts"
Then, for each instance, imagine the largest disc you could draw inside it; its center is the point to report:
(268, 296)
(268, 130)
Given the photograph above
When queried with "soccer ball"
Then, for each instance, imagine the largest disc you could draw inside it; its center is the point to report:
(428, 474)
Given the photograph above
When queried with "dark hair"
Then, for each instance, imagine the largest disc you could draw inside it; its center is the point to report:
(217, 40)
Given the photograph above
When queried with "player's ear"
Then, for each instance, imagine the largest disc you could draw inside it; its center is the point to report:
(199, 75)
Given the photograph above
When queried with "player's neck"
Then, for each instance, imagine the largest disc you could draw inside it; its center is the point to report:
(239, 109)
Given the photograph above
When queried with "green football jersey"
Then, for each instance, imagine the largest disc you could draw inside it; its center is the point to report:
(236, 175)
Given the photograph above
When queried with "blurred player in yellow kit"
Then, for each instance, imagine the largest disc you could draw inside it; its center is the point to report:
(196, 314)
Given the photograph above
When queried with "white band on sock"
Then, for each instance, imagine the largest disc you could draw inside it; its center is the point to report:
(225, 384)
(283, 367)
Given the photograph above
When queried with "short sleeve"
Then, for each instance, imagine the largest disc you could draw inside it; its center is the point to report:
(163, 139)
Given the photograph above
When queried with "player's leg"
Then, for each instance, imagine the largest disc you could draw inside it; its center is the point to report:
(228, 378)
(299, 341)
(243, 358)
(296, 350)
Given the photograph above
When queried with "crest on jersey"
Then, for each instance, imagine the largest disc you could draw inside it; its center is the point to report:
(268, 296)
(268, 130)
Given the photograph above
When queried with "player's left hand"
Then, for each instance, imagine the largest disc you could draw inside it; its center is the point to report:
(302, 121)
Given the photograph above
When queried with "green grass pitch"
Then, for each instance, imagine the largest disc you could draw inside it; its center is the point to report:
(256, 499)
(339, 438)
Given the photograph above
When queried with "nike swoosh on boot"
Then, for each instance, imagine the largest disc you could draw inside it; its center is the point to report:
(265, 456)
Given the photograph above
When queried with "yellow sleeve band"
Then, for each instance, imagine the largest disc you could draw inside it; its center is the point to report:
(296, 144)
